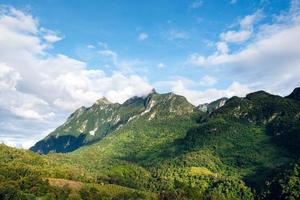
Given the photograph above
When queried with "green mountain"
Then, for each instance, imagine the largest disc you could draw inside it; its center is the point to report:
(89, 125)
(161, 146)
(251, 135)
(244, 140)
(210, 107)
(295, 94)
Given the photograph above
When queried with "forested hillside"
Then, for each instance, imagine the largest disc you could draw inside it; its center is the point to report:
(162, 147)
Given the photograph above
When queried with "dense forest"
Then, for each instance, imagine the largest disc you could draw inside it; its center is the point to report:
(162, 147)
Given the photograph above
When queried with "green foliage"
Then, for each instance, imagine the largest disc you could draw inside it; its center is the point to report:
(161, 146)
(284, 184)
(230, 189)
(93, 193)
(24, 175)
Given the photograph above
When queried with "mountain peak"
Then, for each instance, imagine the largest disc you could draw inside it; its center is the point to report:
(209, 107)
(295, 94)
(103, 101)
(258, 94)
(153, 91)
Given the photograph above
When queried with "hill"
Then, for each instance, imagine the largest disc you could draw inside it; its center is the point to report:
(25, 175)
(236, 148)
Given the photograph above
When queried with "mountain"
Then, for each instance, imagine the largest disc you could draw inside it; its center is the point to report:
(236, 148)
(89, 125)
(233, 148)
(210, 107)
(295, 94)
(251, 135)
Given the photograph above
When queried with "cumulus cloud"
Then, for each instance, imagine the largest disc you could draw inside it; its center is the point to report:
(50, 36)
(8, 78)
(236, 36)
(38, 88)
(222, 47)
(239, 36)
(208, 81)
(271, 61)
(245, 29)
(248, 21)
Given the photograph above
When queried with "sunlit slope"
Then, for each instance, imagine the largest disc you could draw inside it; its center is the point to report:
(167, 117)
(26, 175)
(172, 142)
(179, 151)
(251, 135)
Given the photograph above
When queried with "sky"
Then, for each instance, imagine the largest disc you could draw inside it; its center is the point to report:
(57, 56)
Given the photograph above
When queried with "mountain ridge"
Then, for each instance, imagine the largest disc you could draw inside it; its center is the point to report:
(65, 138)
(244, 148)
(102, 118)
(239, 144)
(295, 94)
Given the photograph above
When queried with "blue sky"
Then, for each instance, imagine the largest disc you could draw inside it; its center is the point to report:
(60, 55)
(174, 30)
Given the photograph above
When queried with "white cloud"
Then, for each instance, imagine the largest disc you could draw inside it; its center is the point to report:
(38, 86)
(245, 31)
(15, 137)
(196, 97)
(124, 66)
(109, 53)
(28, 111)
(197, 4)
(16, 20)
(8, 78)
(208, 81)
(50, 36)
(271, 61)
(26, 106)
(226, 38)
(20, 104)
(222, 47)
(236, 36)
(248, 21)
(143, 36)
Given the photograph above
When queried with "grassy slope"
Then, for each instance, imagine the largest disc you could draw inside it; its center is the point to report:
(26, 175)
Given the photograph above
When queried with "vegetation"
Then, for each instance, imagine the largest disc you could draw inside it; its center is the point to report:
(26, 175)
(165, 148)
(283, 183)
